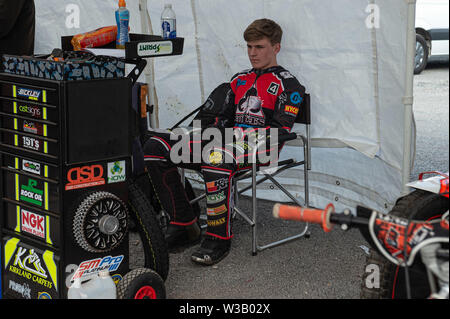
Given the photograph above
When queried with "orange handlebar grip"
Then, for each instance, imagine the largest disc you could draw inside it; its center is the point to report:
(309, 215)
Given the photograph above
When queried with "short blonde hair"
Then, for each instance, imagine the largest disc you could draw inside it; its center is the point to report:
(261, 28)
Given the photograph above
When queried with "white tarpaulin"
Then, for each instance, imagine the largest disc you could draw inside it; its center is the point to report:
(349, 54)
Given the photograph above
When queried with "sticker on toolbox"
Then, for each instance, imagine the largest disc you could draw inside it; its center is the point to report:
(30, 126)
(47, 147)
(31, 143)
(29, 94)
(28, 271)
(29, 166)
(117, 172)
(31, 222)
(92, 267)
(85, 176)
(26, 109)
(31, 191)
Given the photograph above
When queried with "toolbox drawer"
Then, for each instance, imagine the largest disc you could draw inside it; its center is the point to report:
(30, 110)
(29, 190)
(31, 222)
(30, 143)
(31, 126)
(30, 166)
(29, 93)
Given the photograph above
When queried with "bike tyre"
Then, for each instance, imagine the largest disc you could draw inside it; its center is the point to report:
(391, 277)
(149, 230)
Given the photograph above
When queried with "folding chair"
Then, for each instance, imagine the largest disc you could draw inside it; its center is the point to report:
(292, 139)
(209, 110)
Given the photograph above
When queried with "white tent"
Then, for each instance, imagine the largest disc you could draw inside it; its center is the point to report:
(351, 55)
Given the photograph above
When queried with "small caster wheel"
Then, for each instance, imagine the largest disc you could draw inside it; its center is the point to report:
(141, 283)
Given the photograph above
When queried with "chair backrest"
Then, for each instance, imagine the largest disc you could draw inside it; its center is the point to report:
(304, 116)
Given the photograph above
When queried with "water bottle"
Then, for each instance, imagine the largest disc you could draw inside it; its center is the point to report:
(100, 286)
(168, 23)
(122, 20)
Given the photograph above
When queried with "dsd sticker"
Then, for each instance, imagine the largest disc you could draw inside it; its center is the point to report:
(85, 176)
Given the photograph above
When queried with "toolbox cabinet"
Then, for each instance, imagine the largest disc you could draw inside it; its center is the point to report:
(64, 145)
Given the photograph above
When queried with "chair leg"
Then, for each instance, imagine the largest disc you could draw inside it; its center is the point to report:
(305, 233)
(254, 210)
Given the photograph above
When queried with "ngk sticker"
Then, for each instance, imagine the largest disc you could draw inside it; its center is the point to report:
(94, 266)
(32, 223)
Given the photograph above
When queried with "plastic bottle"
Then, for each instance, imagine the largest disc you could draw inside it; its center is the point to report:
(168, 23)
(99, 287)
(123, 20)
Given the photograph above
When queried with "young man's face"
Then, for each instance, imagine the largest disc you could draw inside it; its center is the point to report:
(262, 53)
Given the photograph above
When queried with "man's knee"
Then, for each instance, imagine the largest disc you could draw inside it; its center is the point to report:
(220, 158)
(156, 149)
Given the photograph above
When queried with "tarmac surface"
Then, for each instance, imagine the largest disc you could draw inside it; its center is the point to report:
(326, 265)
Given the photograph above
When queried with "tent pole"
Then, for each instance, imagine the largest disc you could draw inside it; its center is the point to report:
(146, 27)
(408, 98)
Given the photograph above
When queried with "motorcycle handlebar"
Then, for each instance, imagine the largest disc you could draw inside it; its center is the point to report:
(324, 217)
(308, 215)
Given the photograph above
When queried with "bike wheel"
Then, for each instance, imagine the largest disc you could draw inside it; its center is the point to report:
(392, 277)
(156, 256)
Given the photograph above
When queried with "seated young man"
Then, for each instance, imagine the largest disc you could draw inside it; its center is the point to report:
(266, 96)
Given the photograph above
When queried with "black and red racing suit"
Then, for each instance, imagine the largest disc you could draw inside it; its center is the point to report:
(256, 100)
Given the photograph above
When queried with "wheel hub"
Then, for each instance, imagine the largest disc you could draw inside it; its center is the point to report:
(100, 222)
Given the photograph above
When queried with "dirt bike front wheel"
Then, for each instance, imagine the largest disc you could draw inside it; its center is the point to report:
(390, 282)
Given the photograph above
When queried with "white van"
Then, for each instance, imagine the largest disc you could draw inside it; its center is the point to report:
(431, 32)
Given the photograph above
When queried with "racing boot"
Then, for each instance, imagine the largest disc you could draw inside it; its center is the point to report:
(179, 237)
(211, 251)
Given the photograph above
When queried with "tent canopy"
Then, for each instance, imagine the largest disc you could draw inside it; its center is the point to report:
(349, 54)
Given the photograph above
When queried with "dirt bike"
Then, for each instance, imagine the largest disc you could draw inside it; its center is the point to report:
(418, 225)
